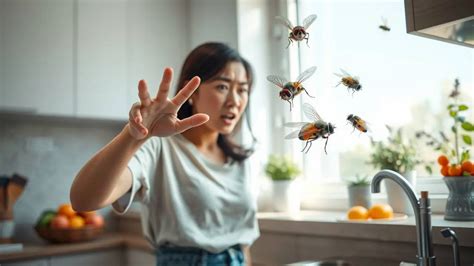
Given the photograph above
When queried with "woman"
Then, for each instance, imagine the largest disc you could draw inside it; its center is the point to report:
(177, 157)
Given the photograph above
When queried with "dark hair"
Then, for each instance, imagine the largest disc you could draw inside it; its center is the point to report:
(206, 61)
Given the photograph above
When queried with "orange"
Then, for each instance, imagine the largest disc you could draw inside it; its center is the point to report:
(67, 210)
(59, 222)
(455, 170)
(381, 211)
(357, 213)
(76, 222)
(443, 160)
(467, 166)
(444, 170)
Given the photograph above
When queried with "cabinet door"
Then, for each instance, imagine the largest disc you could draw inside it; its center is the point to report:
(139, 257)
(100, 258)
(101, 59)
(158, 38)
(37, 56)
(40, 262)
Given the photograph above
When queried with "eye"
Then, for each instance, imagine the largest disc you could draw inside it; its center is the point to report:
(243, 90)
(222, 87)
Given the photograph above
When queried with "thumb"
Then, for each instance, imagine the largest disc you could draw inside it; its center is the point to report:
(192, 121)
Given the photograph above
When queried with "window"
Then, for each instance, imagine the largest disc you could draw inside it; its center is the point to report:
(406, 80)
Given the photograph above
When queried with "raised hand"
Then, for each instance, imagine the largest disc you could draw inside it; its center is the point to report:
(158, 116)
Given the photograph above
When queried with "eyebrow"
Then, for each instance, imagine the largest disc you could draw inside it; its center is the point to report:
(229, 80)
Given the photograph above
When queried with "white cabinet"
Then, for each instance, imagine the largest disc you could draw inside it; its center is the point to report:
(139, 257)
(213, 20)
(100, 258)
(36, 56)
(39, 262)
(157, 37)
(101, 59)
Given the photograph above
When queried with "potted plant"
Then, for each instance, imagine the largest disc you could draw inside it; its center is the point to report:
(398, 154)
(359, 192)
(285, 191)
(455, 164)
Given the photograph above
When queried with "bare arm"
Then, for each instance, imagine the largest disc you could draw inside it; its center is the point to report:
(105, 177)
(247, 256)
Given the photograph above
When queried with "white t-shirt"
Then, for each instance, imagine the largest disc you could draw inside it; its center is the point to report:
(189, 200)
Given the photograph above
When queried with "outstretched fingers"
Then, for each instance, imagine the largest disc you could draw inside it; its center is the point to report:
(165, 85)
(192, 121)
(186, 92)
(136, 119)
(143, 93)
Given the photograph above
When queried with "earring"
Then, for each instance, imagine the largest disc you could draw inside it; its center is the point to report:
(190, 101)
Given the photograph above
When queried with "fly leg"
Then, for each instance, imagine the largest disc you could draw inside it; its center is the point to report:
(308, 93)
(326, 144)
(307, 39)
(310, 144)
(289, 42)
(290, 104)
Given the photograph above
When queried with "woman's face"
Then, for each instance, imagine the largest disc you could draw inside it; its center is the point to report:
(223, 97)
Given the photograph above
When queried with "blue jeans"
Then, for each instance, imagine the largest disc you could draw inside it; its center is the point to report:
(184, 256)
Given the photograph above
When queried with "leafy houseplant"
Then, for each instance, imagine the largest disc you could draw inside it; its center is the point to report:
(455, 163)
(461, 129)
(286, 195)
(400, 155)
(396, 154)
(280, 168)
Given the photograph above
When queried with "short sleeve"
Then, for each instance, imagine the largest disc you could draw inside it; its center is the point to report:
(143, 167)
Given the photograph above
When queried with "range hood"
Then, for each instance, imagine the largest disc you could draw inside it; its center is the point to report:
(445, 20)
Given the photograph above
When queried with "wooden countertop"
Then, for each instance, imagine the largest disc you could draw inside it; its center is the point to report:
(106, 241)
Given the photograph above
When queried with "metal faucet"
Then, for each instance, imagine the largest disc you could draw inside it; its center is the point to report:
(422, 212)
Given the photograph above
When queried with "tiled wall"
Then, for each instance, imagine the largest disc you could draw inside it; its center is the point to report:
(49, 152)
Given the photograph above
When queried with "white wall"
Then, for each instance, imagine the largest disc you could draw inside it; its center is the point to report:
(212, 20)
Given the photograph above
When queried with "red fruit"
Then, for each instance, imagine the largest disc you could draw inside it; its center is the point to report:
(59, 222)
(467, 166)
(455, 170)
(444, 170)
(96, 220)
(443, 160)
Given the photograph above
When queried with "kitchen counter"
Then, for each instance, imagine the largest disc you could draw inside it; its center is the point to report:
(325, 223)
(106, 241)
(322, 235)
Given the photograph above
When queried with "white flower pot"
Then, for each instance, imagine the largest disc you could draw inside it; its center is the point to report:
(396, 197)
(286, 196)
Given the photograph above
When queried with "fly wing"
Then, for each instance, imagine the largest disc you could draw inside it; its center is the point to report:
(309, 20)
(285, 22)
(310, 112)
(295, 124)
(306, 74)
(384, 21)
(293, 135)
(345, 73)
(277, 80)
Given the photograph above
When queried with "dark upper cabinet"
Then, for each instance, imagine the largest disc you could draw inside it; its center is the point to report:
(446, 20)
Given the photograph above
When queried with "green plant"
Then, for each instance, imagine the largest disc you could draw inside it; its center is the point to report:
(395, 154)
(461, 129)
(359, 181)
(281, 168)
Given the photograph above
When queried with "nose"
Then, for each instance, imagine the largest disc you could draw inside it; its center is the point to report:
(233, 99)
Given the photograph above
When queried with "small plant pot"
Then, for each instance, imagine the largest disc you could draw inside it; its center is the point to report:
(286, 196)
(460, 203)
(396, 197)
(359, 196)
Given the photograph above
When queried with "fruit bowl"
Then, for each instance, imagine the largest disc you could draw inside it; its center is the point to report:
(69, 235)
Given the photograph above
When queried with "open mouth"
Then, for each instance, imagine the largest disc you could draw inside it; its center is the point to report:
(228, 118)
